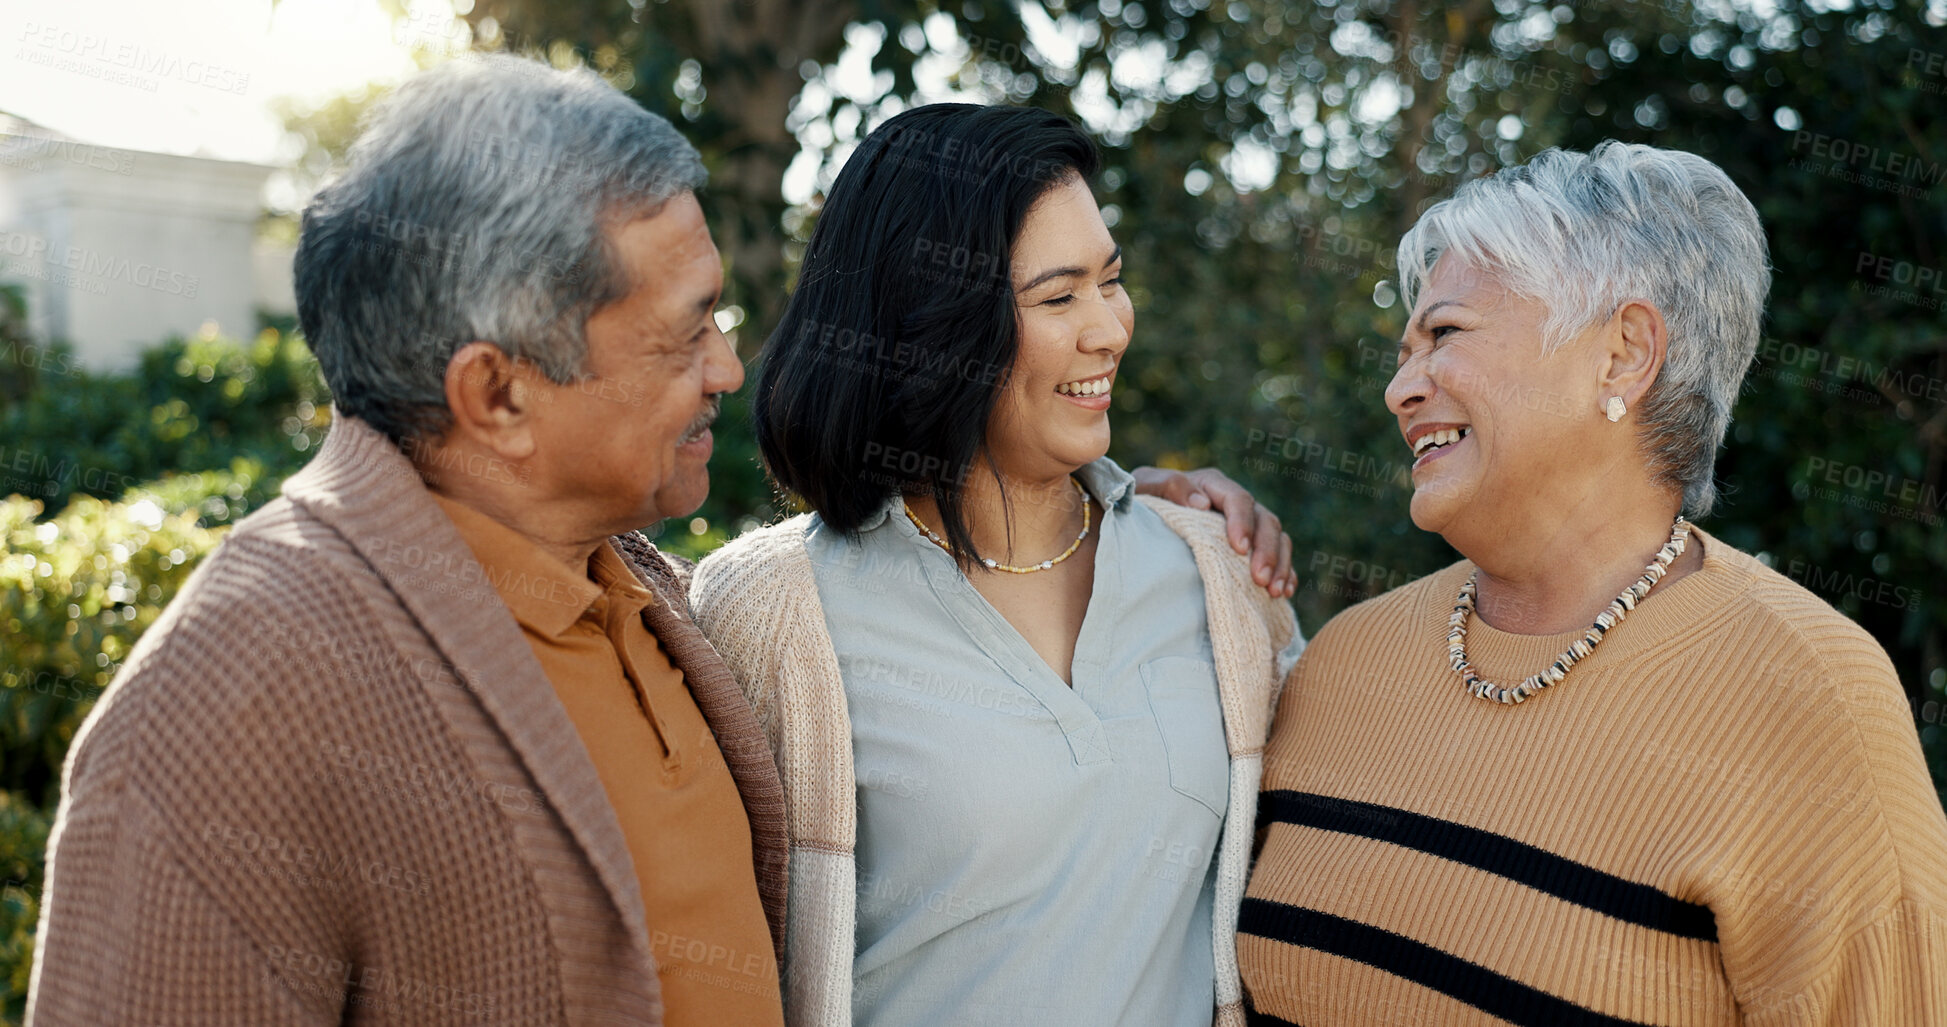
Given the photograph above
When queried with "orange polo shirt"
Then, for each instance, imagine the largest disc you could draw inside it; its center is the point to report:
(680, 811)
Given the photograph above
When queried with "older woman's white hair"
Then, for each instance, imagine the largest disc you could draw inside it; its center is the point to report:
(1585, 232)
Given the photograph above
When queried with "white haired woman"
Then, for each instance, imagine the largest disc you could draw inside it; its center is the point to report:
(1606, 769)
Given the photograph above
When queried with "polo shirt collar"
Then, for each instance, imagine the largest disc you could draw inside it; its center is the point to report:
(540, 590)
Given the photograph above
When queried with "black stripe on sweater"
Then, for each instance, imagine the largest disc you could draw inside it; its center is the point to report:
(1253, 1018)
(1498, 854)
(1420, 963)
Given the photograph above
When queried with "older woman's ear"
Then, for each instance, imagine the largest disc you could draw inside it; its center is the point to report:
(1636, 340)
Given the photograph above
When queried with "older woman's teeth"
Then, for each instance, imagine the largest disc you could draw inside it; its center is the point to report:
(1434, 439)
(1093, 387)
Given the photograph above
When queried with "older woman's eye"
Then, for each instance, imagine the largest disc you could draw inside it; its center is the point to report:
(1440, 331)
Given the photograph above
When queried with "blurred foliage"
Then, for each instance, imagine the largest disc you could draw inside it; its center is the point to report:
(20, 359)
(23, 838)
(321, 133)
(76, 591)
(189, 405)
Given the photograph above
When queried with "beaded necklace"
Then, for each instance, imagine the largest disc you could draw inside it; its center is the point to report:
(1464, 606)
(994, 565)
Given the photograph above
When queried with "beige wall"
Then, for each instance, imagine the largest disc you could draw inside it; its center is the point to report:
(119, 249)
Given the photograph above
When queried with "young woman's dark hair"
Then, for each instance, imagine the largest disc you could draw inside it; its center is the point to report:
(890, 356)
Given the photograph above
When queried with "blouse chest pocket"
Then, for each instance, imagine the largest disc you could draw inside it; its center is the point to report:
(1183, 699)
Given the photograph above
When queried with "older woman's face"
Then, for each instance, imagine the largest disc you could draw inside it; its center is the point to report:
(1493, 424)
(1075, 320)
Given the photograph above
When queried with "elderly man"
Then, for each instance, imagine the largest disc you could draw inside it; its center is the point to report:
(432, 739)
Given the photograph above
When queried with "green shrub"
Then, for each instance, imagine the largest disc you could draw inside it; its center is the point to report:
(23, 839)
(189, 405)
(145, 470)
(76, 591)
(20, 359)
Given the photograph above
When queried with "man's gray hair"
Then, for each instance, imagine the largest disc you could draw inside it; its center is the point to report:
(1582, 234)
(475, 207)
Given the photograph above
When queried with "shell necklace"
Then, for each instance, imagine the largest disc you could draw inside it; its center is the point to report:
(1463, 607)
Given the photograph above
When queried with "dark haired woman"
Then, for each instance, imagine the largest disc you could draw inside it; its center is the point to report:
(1017, 711)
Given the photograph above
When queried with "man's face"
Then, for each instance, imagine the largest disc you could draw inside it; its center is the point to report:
(631, 441)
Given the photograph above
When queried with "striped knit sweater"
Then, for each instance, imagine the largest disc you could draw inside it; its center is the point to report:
(1721, 817)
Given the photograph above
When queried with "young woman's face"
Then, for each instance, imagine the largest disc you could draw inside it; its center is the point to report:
(1075, 320)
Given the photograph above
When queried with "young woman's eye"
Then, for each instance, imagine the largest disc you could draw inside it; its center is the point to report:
(1116, 281)
(1058, 301)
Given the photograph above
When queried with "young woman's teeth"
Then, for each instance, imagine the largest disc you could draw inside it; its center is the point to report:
(1092, 387)
(1434, 439)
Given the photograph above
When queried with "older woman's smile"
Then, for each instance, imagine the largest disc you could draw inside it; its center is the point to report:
(1431, 441)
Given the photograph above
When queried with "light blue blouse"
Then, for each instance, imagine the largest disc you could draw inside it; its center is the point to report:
(1029, 853)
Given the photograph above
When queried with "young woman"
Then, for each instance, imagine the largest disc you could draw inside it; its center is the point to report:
(1017, 710)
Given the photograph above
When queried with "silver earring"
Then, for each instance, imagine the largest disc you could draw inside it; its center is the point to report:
(1615, 410)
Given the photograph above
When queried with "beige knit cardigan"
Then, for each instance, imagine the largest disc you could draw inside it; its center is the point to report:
(332, 784)
(757, 601)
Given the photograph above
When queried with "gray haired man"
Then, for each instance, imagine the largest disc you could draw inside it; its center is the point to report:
(432, 739)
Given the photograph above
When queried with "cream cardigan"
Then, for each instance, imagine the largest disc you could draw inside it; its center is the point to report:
(757, 601)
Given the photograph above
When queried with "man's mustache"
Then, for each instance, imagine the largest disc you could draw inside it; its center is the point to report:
(707, 418)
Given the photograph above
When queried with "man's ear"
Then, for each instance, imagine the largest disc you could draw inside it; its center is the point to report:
(492, 398)
(1637, 341)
